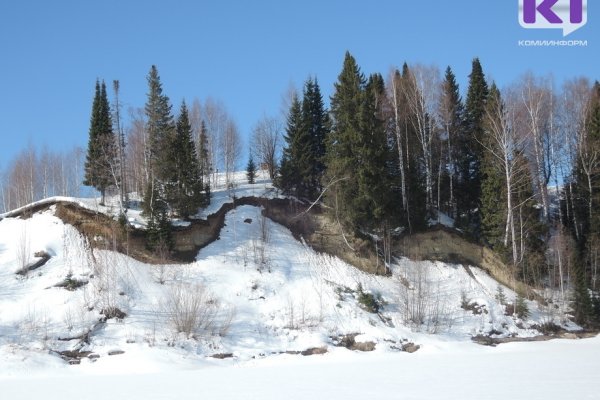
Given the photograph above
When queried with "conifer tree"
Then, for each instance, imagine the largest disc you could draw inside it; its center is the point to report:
(289, 175)
(185, 187)
(372, 150)
(101, 159)
(160, 127)
(471, 154)
(452, 114)
(358, 153)
(342, 163)
(251, 170)
(314, 130)
(493, 183)
(161, 132)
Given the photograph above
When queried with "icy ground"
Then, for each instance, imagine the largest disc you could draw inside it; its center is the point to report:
(264, 297)
(533, 371)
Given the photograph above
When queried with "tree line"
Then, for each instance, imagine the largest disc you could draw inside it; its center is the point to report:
(517, 169)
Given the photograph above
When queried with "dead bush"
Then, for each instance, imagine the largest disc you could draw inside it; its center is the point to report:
(192, 310)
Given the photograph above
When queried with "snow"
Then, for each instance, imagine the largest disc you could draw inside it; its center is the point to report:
(533, 371)
(269, 294)
(442, 219)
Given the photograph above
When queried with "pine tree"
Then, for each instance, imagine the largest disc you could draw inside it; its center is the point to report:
(185, 186)
(358, 153)
(452, 120)
(289, 175)
(373, 152)
(161, 133)
(314, 131)
(471, 154)
(101, 160)
(493, 182)
(251, 171)
(160, 127)
(341, 160)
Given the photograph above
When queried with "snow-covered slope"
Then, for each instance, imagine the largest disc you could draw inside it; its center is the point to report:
(254, 298)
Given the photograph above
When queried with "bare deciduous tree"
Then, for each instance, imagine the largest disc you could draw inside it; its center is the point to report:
(504, 144)
(230, 146)
(266, 143)
(421, 93)
(536, 100)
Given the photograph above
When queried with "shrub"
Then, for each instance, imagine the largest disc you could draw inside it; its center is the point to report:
(521, 308)
(368, 301)
(500, 296)
(191, 309)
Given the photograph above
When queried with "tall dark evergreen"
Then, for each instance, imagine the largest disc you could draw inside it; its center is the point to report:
(493, 180)
(161, 132)
(185, 186)
(314, 128)
(160, 128)
(452, 120)
(344, 139)
(471, 154)
(374, 192)
(289, 179)
(101, 160)
(357, 152)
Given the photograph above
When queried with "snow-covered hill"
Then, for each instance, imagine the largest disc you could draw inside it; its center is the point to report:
(256, 295)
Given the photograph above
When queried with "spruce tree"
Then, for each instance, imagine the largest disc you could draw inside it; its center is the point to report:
(101, 160)
(493, 181)
(314, 131)
(160, 127)
(161, 133)
(372, 150)
(184, 187)
(471, 154)
(358, 153)
(342, 163)
(251, 170)
(452, 120)
(289, 175)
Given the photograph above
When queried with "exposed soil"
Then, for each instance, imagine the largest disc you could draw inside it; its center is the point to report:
(312, 225)
(490, 341)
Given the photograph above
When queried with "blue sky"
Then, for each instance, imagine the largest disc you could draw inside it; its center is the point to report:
(245, 53)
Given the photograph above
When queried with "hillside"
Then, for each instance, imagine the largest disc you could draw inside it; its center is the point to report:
(254, 292)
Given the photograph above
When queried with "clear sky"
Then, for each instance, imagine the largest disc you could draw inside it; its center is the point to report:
(245, 52)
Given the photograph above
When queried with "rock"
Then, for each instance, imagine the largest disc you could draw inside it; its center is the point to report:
(248, 221)
(569, 335)
(314, 350)
(410, 347)
(222, 356)
(115, 352)
(363, 346)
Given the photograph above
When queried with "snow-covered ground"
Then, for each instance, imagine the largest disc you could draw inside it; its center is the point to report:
(263, 298)
(533, 371)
